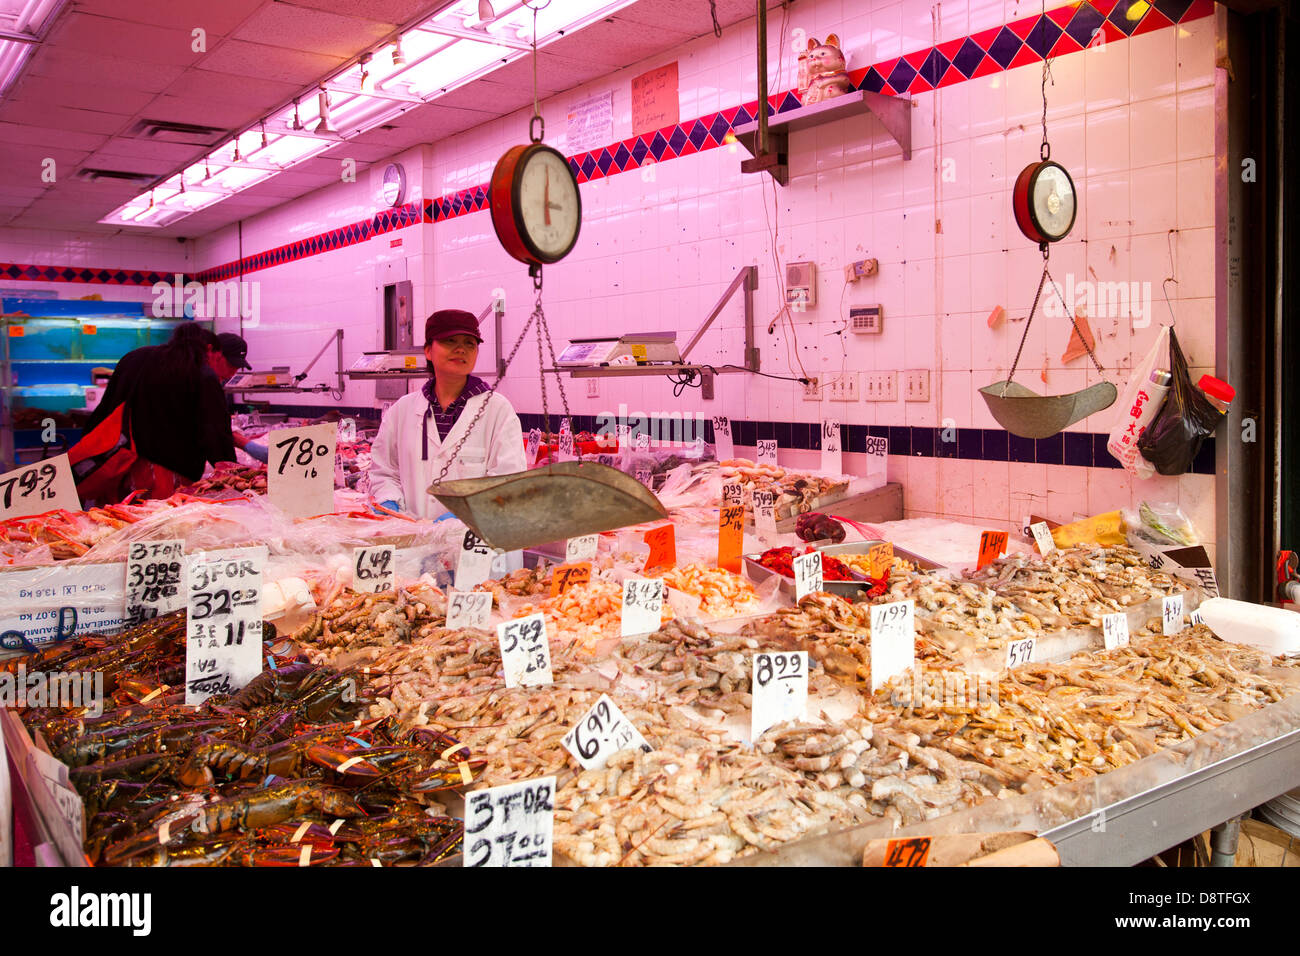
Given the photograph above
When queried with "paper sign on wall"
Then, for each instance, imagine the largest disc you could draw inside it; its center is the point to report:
(223, 646)
(590, 123)
(35, 489)
(832, 449)
(723, 446)
(655, 102)
(300, 469)
(510, 825)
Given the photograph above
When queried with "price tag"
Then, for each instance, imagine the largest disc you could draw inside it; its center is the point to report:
(807, 574)
(566, 442)
(474, 563)
(1171, 620)
(36, 489)
(510, 825)
(154, 585)
(534, 443)
(66, 800)
(17, 331)
(663, 548)
(373, 568)
(1020, 652)
(566, 576)
(1206, 579)
(765, 514)
(223, 647)
(880, 559)
(993, 544)
(642, 441)
(600, 733)
(1114, 628)
(893, 640)
(907, 851)
(723, 446)
(766, 451)
(468, 609)
(779, 684)
(1196, 617)
(348, 430)
(525, 651)
(1043, 537)
(623, 432)
(643, 604)
(645, 476)
(90, 330)
(877, 460)
(300, 469)
(832, 449)
(582, 548)
(731, 535)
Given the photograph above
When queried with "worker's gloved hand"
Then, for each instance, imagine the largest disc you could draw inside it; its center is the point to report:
(390, 505)
(443, 517)
(256, 450)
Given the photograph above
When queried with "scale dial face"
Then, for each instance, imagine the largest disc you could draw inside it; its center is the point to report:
(393, 190)
(1045, 202)
(536, 209)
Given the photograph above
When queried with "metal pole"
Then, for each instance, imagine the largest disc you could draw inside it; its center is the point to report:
(1223, 843)
(762, 78)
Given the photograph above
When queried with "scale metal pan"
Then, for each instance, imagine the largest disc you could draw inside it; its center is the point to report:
(550, 503)
(1022, 412)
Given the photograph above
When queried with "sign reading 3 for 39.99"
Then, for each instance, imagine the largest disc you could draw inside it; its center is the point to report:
(223, 647)
(154, 585)
(300, 469)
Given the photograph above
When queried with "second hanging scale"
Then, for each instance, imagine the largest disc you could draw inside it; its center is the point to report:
(537, 214)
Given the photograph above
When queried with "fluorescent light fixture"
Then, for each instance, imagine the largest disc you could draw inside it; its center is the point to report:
(434, 57)
(25, 22)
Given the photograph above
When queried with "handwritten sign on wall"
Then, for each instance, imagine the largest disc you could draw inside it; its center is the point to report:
(654, 99)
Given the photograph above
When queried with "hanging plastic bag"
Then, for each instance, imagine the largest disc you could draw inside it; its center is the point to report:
(1123, 443)
(1187, 418)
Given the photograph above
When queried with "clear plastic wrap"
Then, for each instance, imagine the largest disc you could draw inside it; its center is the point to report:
(1161, 523)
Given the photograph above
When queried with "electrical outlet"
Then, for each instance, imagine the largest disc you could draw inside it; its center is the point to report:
(916, 385)
(810, 392)
(880, 386)
(593, 388)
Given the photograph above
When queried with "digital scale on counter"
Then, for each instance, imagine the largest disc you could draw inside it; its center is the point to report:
(276, 378)
(279, 379)
(381, 365)
(639, 348)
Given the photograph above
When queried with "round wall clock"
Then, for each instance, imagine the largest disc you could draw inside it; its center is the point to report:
(536, 209)
(393, 189)
(1044, 202)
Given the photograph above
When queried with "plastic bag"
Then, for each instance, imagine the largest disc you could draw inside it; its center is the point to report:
(1162, 523)
(1124, 436)
(1187, 418)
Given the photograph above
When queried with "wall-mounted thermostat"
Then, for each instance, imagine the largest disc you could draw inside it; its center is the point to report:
(867, 319)
(801, 284)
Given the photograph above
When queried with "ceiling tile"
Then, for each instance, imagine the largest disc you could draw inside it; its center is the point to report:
(109, 71)
(125, 148)
(136, 41)
(81, 96)
(361, 152)
(257, 94)
(56, 117)
(314, 31)
(175, 109)
(217, 19)
(42, 136)
(389, 11)
(620, 43)
(504, 99)
(269, 62)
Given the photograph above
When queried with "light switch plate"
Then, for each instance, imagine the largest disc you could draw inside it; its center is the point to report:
(916, 385)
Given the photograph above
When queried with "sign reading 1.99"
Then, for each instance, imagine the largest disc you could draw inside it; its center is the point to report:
(300, 469)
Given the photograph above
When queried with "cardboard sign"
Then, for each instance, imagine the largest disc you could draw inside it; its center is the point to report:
(993, 544)
(35, 489)
(223, 646)
(1043, 538)
(779, 685)
(510, 825)
(473, 563)
(600, 733)
(731, 535)
(374, 568)
(154, 579)
(832, 449)
(907, 851)
(525, 651)
(723, 446)
(468, 609)
(880, 559)
(300, 469)
(566, 576)
(663, 548)
(893, 640)
(766, 451)
(582, 548)
(655, 102)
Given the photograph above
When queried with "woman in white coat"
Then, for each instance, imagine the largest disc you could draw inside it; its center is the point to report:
(422, 429)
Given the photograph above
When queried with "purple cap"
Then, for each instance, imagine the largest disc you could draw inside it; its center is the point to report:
(445, 323)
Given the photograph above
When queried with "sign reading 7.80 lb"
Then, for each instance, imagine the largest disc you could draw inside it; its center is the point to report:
(300, 471)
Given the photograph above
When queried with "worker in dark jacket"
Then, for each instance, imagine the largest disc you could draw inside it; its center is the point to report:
(175, 406)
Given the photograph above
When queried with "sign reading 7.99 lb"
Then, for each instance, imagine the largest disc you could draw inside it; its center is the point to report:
(35, 489)
(300, 469)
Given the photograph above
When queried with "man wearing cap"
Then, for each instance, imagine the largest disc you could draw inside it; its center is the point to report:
(421, 431)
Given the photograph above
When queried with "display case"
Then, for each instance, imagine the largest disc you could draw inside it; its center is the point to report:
(51, 349)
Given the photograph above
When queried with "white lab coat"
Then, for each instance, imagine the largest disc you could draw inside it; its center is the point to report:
(397, 473)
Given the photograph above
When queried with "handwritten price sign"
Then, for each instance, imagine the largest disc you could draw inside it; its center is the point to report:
(880, 558)
(993, 544)
(731, 533)
(767, 451)
(807, 574)
(723, 445)
(600, 733)
(534, 443)
(373, 568)
(643, 604)
(877, 450)
(474, 563)
(832, 449)
(893, 640)
(582, 548)
(525, 651)
(1114, 630)
(510, 825)
(663, 548)
(468, 609)
(779, 683)
(906, 852)
(566, 576)
(765, 514)
(154, 585)
(1171, 618)
(1043, 537)
(223, 647)
(36, 489)
(1020, 652)
(300, 469)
